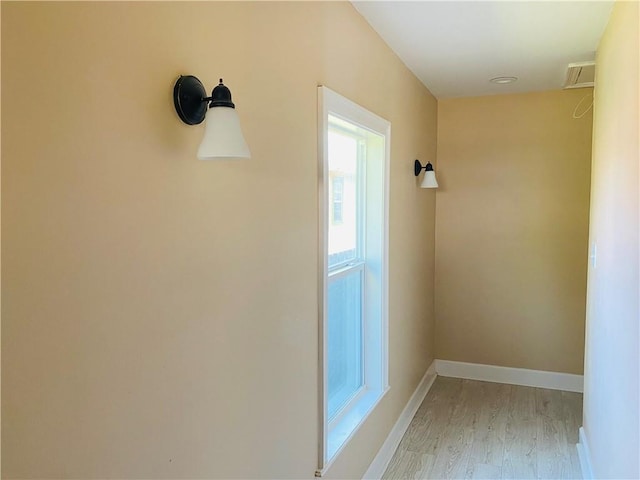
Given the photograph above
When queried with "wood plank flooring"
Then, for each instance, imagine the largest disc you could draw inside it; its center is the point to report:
(467, 429)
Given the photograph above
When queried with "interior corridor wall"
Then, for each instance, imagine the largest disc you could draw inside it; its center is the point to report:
(512, 217)
(612, 360)
(160, 313)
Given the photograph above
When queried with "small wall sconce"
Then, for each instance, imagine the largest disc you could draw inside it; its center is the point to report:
(223, 137)
(429, 179)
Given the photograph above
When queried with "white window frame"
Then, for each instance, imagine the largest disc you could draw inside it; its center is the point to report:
(335, 434)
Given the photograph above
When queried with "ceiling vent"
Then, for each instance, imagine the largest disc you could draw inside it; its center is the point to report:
(580, 75)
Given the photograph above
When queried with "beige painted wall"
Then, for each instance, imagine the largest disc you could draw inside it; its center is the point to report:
(612, 360)
(511, 230)
(159, 313)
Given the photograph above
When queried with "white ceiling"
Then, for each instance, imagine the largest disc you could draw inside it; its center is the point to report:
(456, 47)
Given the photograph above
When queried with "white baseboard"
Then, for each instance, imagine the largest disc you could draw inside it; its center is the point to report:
(382, 459)
(584, 455)
(514, 376)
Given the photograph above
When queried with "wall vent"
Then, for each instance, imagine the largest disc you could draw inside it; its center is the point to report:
(580, 75)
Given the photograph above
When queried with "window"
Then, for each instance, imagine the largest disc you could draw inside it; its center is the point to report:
(337, 190)
(354, 158)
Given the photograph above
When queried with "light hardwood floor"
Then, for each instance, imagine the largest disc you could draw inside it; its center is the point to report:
(479, 430)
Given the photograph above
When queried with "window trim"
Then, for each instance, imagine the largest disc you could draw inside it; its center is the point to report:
(331, 103)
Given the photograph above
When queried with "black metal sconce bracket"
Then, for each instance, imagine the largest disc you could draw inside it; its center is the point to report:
(417, 167)
(190, 99)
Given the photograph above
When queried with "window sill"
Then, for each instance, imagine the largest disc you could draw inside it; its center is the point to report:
(343, 429)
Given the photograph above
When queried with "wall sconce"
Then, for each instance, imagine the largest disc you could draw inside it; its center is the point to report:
(223, 137)
(429, 179)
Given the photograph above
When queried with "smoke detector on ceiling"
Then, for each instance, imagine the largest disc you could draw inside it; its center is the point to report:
(580, 75)
(503, 80)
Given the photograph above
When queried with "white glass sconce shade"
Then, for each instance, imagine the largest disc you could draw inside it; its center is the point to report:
(223, 138)
(429, 180)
